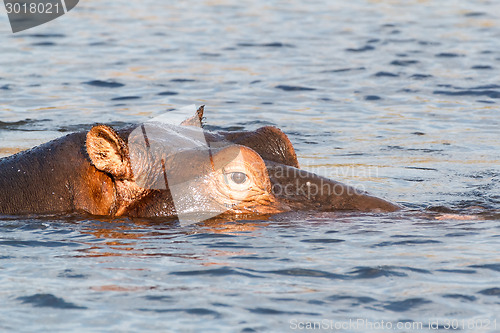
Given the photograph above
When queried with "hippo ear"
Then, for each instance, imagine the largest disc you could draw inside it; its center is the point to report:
(108, 152)
(269, 142)
(196, 120)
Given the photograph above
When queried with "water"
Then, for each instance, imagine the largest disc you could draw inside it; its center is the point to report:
(397, 97)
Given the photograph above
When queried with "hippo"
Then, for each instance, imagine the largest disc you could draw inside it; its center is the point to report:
(249, 173)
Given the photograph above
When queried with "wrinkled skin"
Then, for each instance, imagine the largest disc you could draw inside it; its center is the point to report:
(249, 172)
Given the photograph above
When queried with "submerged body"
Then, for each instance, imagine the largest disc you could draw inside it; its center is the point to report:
(96, 172)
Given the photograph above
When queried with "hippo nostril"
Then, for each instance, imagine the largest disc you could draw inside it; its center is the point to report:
(238, 177)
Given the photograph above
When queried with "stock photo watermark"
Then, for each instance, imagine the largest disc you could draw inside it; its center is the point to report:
(364, 324)
(206, 178)
(303, 186)
(27, 14)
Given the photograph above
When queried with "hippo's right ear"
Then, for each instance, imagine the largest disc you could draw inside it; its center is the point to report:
(108, 152)
(197, 119)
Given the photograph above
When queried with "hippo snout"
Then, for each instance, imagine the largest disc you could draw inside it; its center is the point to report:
(304, 190)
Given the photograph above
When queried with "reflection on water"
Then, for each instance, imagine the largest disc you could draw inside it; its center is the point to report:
(396, 97)
(127, 238)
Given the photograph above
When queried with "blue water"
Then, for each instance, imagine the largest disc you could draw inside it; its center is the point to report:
(397, 97)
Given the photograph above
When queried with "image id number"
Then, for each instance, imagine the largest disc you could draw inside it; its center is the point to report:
(478, 324)
(32, 8)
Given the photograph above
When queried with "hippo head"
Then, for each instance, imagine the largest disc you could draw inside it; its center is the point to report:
(165, 170)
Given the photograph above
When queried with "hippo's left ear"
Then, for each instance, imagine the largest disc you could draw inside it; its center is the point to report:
(108, 152)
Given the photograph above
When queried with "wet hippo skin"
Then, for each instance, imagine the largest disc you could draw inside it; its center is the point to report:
(91, 172)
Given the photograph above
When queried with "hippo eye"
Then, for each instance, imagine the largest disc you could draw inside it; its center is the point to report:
(238, 177)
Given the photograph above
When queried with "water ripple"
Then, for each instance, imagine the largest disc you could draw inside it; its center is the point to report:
(407, 304)
(104, 84)
(49, 301)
